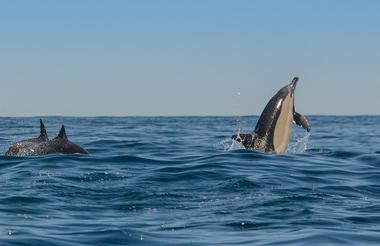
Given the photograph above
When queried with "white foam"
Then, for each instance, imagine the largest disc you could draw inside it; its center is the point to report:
(300, 144)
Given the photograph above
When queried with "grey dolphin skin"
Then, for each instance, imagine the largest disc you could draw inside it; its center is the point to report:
(274, 126)
(23, 147)
(43, 146)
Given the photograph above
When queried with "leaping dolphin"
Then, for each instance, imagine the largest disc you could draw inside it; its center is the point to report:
(43, 146)
(274, 126)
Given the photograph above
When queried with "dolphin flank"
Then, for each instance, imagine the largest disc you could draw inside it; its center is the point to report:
(43, 146)
(274, 126)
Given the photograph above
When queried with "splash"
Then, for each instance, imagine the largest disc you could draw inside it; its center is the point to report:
(300, 145)
(230, 144)
(235, 146)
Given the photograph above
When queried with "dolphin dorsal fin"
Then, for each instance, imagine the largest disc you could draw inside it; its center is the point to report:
(62, 133)
(43, 133)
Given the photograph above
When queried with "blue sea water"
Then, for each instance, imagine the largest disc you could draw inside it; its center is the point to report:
(182, 181)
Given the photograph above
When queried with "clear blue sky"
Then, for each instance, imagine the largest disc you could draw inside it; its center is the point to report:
(199, 57)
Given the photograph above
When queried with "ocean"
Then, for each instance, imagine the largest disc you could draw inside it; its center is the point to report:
(182, 181)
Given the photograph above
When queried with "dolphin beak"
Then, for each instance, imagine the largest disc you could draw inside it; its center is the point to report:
(293, 84)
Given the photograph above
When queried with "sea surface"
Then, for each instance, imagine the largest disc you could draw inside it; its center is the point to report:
(182, 181)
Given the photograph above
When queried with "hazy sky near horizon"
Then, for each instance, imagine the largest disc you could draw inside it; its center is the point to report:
(200, 57)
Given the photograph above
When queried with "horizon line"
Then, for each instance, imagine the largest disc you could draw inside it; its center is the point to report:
(173, 116)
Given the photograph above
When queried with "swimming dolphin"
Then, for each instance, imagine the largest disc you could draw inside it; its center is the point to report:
(274, 126)
(61, 144)
(43, 146)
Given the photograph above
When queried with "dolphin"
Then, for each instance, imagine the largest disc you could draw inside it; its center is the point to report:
(274, 126)
(61, 144)
(43, 146)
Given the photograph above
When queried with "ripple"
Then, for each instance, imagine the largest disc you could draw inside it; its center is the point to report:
(172, 181)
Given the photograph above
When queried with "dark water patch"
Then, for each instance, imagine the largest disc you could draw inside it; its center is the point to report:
(343, 154)
(126, 160)
(22, 200)
(236, 185)
(369, 159)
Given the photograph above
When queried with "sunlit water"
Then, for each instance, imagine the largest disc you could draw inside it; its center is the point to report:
(182, 181)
